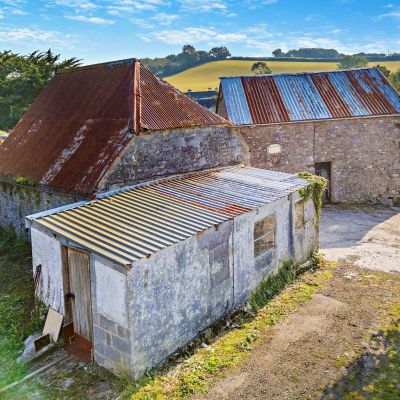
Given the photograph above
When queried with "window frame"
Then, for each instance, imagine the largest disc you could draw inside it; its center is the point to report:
(269, 232)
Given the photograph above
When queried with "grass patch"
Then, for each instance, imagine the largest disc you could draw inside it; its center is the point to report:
(207, 75)
(17, 320)
(195, 374)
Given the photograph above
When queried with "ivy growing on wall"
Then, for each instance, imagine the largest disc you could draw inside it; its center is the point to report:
(25, 182)
(315, 189)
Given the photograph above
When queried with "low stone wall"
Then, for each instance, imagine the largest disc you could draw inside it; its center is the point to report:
(364, 154)
(18, 201)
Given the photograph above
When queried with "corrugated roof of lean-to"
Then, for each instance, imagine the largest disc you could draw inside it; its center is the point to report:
(279, 98)
(137, 222)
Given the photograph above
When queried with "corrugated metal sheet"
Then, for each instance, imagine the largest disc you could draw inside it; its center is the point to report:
(135, 223)
(237, 109)
(308, 96)
(81, 121)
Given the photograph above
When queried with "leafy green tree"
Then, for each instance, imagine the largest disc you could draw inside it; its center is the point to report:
(385, 71)
(21, 80)
(260, 68)
(220, 53)
(278, 53)
(188, 48)
(348, 62)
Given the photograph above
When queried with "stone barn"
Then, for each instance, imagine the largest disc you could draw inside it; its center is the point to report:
(100, 127)
(140, 272)
(343, 125)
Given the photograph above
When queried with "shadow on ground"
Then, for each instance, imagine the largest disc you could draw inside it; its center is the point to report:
(373, 375)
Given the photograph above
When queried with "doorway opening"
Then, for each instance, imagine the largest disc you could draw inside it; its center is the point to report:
(324, 169)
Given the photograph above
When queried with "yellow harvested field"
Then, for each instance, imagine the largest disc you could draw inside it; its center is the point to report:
(207, 75)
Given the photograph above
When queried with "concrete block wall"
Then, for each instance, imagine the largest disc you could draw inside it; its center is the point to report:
(183, 289)
(177, 293)
(290, 244)
(364, 152)
(171, 152)
(111, 333)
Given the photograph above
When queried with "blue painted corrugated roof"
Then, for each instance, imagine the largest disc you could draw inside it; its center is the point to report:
(267, 99)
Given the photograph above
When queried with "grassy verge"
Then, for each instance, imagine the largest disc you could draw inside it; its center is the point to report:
(17, 320)
(195, 374)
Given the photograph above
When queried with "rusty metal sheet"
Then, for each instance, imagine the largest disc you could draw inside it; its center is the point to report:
(164, 107)
(266, 93)
(134, 223)
(84, 118)
(310, 96)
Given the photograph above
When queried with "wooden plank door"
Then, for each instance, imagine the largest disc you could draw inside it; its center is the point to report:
(81, 300)
(324, 169)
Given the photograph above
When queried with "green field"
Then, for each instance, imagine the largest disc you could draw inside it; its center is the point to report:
(207, 75)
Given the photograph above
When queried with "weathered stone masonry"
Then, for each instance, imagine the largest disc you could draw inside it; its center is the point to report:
(364, 152)
(17, 201)
(163, 153)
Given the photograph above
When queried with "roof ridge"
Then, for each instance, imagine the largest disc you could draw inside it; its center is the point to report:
(99, 65)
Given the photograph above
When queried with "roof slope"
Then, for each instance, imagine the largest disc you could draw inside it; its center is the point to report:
(82, 120)
(278, 98)
(137, 222)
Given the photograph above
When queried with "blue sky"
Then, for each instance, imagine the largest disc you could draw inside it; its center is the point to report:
(103, 30)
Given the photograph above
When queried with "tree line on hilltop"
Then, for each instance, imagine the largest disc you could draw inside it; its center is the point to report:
(22, 77)
(189, 57)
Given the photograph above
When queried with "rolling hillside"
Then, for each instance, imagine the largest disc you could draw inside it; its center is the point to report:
(207, 75)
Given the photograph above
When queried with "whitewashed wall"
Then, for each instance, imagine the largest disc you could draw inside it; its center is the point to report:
(46, 251)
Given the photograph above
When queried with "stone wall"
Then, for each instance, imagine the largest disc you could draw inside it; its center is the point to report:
(18, 201)
(364, 152)
(159, 154)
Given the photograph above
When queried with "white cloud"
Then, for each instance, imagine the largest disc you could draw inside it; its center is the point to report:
(77, 4)
(203, 6)
(165, 19)
(91, 20)
(393, 14)
(179, 37)
(207, 35)
(15, 35)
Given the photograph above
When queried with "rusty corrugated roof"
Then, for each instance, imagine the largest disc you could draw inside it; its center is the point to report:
(83, 119)
(134, 223)
(278, 98)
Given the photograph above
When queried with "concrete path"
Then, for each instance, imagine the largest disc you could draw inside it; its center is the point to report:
(368, 235)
